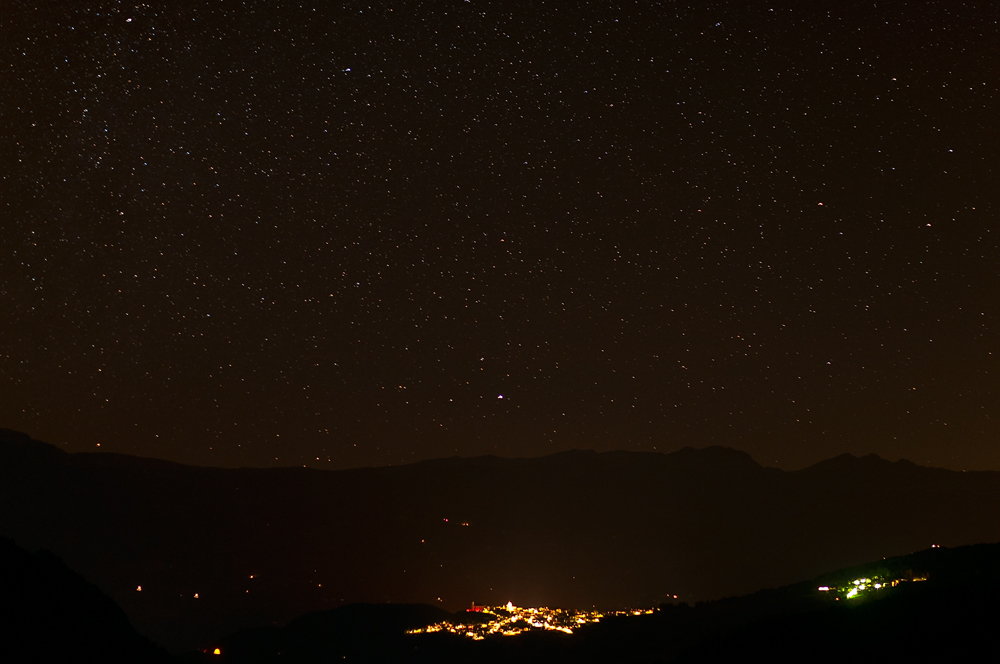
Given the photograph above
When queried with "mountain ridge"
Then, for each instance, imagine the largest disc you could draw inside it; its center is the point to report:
(578, 528)
(17, 440)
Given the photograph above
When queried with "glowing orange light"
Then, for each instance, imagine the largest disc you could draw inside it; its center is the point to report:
(216, 652)
(138, 589)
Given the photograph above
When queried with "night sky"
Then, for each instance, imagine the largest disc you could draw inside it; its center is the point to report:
(345, 234)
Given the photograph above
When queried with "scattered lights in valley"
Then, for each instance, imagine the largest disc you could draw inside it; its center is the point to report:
(510, 620)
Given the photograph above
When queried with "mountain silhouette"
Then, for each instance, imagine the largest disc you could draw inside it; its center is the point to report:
(576, 529)
(49, 613)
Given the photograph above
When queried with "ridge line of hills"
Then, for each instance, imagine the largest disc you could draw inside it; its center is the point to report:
(16, 440)
(579, 529)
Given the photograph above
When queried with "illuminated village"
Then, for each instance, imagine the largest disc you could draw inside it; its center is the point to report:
(510, 620)
(484, 621)
(867, 586)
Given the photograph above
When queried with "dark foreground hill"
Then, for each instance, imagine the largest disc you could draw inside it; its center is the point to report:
(216, 550)
(950, 616)
(48, 613)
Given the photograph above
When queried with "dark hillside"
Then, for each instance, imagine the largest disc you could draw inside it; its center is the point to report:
(48, 613)
(949, 616)
(952, 616)
(576, 529)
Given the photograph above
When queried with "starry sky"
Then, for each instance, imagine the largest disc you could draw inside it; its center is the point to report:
(345, 234)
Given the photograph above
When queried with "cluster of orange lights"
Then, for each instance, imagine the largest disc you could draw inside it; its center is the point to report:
(512, 620)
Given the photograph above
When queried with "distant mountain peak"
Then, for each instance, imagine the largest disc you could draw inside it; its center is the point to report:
(15, 438)
(715, 454)
(848, 461)
(21, 445)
